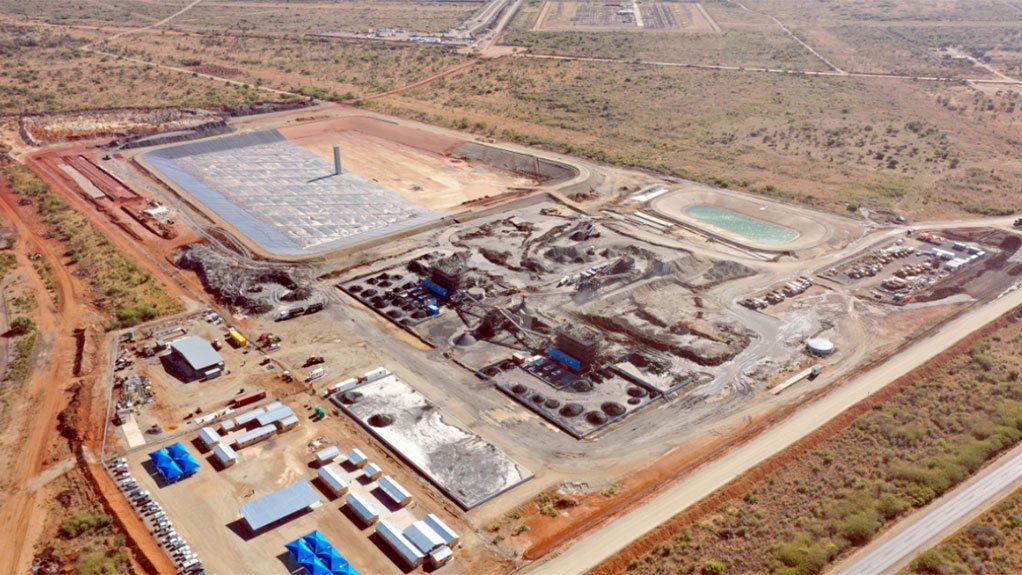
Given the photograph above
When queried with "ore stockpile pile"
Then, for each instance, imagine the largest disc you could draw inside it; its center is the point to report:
(254, 291)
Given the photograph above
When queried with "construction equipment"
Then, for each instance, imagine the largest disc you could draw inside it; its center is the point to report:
(268, 340)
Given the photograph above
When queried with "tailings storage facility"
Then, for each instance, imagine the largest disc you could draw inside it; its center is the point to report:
(284, 198)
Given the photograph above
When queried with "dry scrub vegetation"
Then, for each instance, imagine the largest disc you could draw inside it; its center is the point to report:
(907, 37)
(837, 143)
(122, 288)
(329, 69)
(907, 451)
(80, 537)
(45, 71)
(991, 545)
(109, 12)
(297, 18)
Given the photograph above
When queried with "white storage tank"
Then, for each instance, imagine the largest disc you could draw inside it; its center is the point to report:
(820, 346)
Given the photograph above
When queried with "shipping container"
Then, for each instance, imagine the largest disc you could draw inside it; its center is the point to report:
(247, 398)
(238, 339)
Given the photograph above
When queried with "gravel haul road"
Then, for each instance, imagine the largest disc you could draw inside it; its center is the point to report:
(585, 554)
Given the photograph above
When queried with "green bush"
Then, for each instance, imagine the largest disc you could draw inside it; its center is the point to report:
(860, 528)
(135, 314)
(804, 555)
(83, 523)
(22, 325)
(713, 567)
(933, 562)
(100, 563)
(889, 506)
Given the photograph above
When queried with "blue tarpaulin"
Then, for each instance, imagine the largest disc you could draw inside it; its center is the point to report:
(188, 465)
(317, 542)
(167, 467)
(177, 451)
(335, 562)
(318, 556)
(300, 551)
(183, 458)
(314, 567)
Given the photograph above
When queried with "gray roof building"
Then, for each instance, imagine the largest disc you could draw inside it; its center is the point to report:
(400, 544)
(279, 505)
(197, 354)
(225, 454)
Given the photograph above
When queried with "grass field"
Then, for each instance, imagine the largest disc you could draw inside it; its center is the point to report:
(45, 71)
(991, 545)
(901, 455)
(836, 143)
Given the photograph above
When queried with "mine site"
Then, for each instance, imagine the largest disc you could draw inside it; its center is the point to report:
(413, 335)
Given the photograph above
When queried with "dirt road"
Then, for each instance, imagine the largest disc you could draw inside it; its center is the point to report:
(43, 394)
(929, 526)
(601, 544)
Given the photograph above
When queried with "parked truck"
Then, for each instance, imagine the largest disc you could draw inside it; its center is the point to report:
(238, 339)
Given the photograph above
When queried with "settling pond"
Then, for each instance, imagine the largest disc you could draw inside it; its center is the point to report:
(755, 229)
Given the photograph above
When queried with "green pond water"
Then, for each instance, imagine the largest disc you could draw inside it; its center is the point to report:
(752, 228)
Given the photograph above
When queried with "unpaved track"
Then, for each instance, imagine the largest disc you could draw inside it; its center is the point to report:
(20, 515)
(929, 526)
(585, 554)
(789, 71)
(426, 80)
(156, 24)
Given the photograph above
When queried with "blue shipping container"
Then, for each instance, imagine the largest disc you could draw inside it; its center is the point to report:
(564, 358)
(433, 287)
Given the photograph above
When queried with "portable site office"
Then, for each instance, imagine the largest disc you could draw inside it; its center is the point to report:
(362, 508)
(331, 477)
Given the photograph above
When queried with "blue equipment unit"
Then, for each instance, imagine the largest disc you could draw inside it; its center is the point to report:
(434, 287)
(564, 358)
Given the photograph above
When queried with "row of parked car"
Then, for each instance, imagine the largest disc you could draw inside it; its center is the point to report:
(159, 524)
(790, 289)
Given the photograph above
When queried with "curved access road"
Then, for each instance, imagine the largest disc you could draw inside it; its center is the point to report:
(581, 556)
(929, 526)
